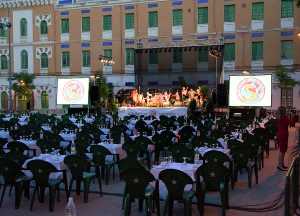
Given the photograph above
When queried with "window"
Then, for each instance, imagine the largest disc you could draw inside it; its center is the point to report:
(229, 52)
(43, 27)
(107, 23)
(44, 100)
(177, 17)
(129, 21)
(287, 97)
(3, 32)
(23, 27)
(203, 54)
(177, 56)
(4, 62)
(203, 15)
(257, 51)
(65, 59)
(44, 61)
(287, 8)
(129, 56)
(258, 11)
(24, 59)
(286, 49)
(108, 53)
(85, 24)
(86, 58)
(153, 19)
(153, 57)
(65, 25)
(4, 101)
(229, 13)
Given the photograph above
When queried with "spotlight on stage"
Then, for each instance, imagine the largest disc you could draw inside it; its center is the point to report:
(246, 72)
(106, 60)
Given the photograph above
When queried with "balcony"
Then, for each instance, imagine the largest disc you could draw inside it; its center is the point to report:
(153, 68)
(153, 32)
(65, 71)
(107, 35)
(44, 37)
(44, 71)
(202, 28)
(3, 40)
(287, 22)
(287, 62)
(229, 65)
(229, 26)
(86, 70)
(177, 30)
(129, 33)
(257, 25)
(107, 69)
(203, 65)
(129, 69)
(85, 36)
(257, 64)
(177, 67)
(65, 37)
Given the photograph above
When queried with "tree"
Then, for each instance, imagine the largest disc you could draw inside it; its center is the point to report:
(286, 82)
(298, 3)
(104, 91)
(23, 88)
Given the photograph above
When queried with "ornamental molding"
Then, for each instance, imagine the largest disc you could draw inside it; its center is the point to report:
(42, 17)
(4, 52)
(3, 19)
(40, 89)
(23, 3)
(40, 50)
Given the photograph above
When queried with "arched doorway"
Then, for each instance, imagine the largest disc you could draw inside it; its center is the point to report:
(4, 101)
(44, 100)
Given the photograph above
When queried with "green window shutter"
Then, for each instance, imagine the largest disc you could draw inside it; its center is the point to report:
(108, 53)
(3, 32)
(43, 28)
(86, 58)
(129, 21)
(66, 59)
(44, 60)
(229, 52)
(203, 54)
(153, 19)
(23, 27)
(4, 62)
(153, 57)
(85, 24)
(287, 8)
(129, 56)
(107, 23)
(24, 59)
(177, 56)
(44, 100)
(177, 17)
(229, 13)
(258, 11)
(257, 51)
(65, 26)
(287, 50)
(203, 15)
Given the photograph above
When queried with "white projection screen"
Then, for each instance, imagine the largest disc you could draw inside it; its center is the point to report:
(73, 91)
(250, 91)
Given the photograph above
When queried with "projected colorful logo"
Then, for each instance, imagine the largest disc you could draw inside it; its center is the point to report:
(251, 90)
(73, 90)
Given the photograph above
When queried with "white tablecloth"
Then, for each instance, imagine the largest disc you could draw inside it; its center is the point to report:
(68, 136)
(155, 111)
(203, 150)
(115, 149)
(4, 134)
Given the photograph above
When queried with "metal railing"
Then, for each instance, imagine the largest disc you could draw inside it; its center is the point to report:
(292, 188)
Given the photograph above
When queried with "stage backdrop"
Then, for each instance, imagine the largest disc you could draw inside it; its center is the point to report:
(73, 91)
(250, 90)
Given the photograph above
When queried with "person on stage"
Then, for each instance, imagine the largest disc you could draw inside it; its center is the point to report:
(282, 136)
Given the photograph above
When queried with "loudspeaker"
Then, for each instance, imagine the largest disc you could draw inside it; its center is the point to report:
(222, 95)
(94, 94)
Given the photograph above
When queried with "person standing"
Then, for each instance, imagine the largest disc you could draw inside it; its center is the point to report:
(282, 136)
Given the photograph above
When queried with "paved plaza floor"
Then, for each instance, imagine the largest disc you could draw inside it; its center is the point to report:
(271, 185)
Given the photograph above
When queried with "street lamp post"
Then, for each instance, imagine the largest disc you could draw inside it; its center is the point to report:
(7, 26)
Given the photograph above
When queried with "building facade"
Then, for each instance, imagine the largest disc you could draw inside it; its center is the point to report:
(65, 38)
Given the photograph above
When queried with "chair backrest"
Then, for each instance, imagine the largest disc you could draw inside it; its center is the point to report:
(137, 180)
(129, 163)
(175, 181)
(99, 154)
(217, 158)
(17, 147)
(10, 170)
(77, 165)
(41, 171)
(180, 151)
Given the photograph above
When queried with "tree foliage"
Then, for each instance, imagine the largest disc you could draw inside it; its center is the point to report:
(23, 84)
(284, 78)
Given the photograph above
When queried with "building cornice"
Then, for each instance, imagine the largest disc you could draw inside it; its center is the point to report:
(24, 3)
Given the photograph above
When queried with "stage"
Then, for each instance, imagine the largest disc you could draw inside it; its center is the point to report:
(156, 111)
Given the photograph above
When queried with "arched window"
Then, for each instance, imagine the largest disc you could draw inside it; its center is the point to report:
(43, 28)
(24, 59)
(4, 62)
(44, 60)
(44, 100)
(23, 27)
(4, 101)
